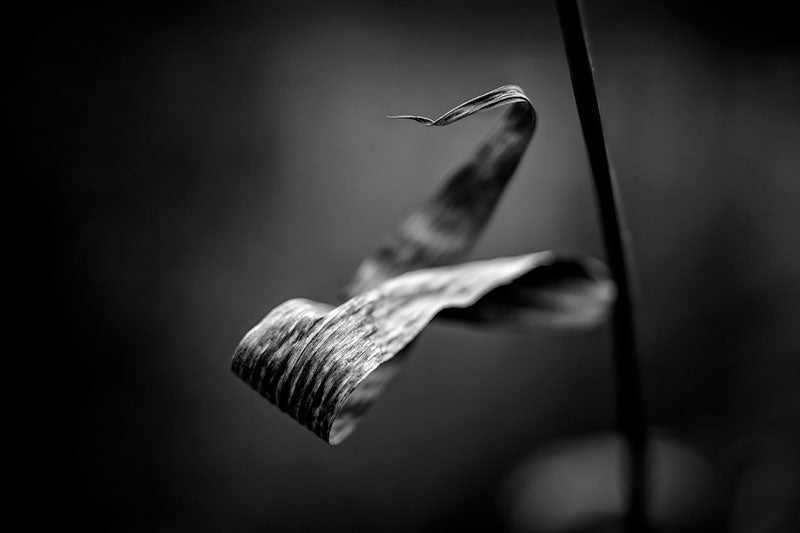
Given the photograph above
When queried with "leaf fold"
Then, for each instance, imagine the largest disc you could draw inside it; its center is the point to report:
(325, 365)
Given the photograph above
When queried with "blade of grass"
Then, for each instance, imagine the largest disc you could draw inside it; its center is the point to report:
(326, 365)
(629, 394)
(451, 219)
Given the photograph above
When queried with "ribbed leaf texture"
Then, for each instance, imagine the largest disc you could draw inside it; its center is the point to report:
(326, 365)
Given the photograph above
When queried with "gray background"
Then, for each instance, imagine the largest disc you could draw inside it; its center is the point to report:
(196, 165)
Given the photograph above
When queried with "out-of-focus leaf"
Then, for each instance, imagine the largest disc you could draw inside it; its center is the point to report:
(571, 292)
(325, 365)
(577, 485)
(767, 497)
(448, 223)
(309, 358)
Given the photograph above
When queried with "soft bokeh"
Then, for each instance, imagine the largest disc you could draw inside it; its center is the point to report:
(199, 164)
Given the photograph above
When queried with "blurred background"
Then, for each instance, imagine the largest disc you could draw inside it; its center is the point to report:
(195, 165)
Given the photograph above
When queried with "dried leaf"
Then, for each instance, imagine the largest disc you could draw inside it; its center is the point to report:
(448, 223)
(308, 358)
(326, 365)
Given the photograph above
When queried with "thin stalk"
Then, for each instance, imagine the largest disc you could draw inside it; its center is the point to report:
(629, 397)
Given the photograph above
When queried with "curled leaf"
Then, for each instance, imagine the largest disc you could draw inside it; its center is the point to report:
(308, 358)
(448, 223)
(326, 365)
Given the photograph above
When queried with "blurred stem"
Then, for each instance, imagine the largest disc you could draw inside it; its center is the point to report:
(629, 397)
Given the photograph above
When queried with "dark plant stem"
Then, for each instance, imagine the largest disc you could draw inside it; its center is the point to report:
(629, 396)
